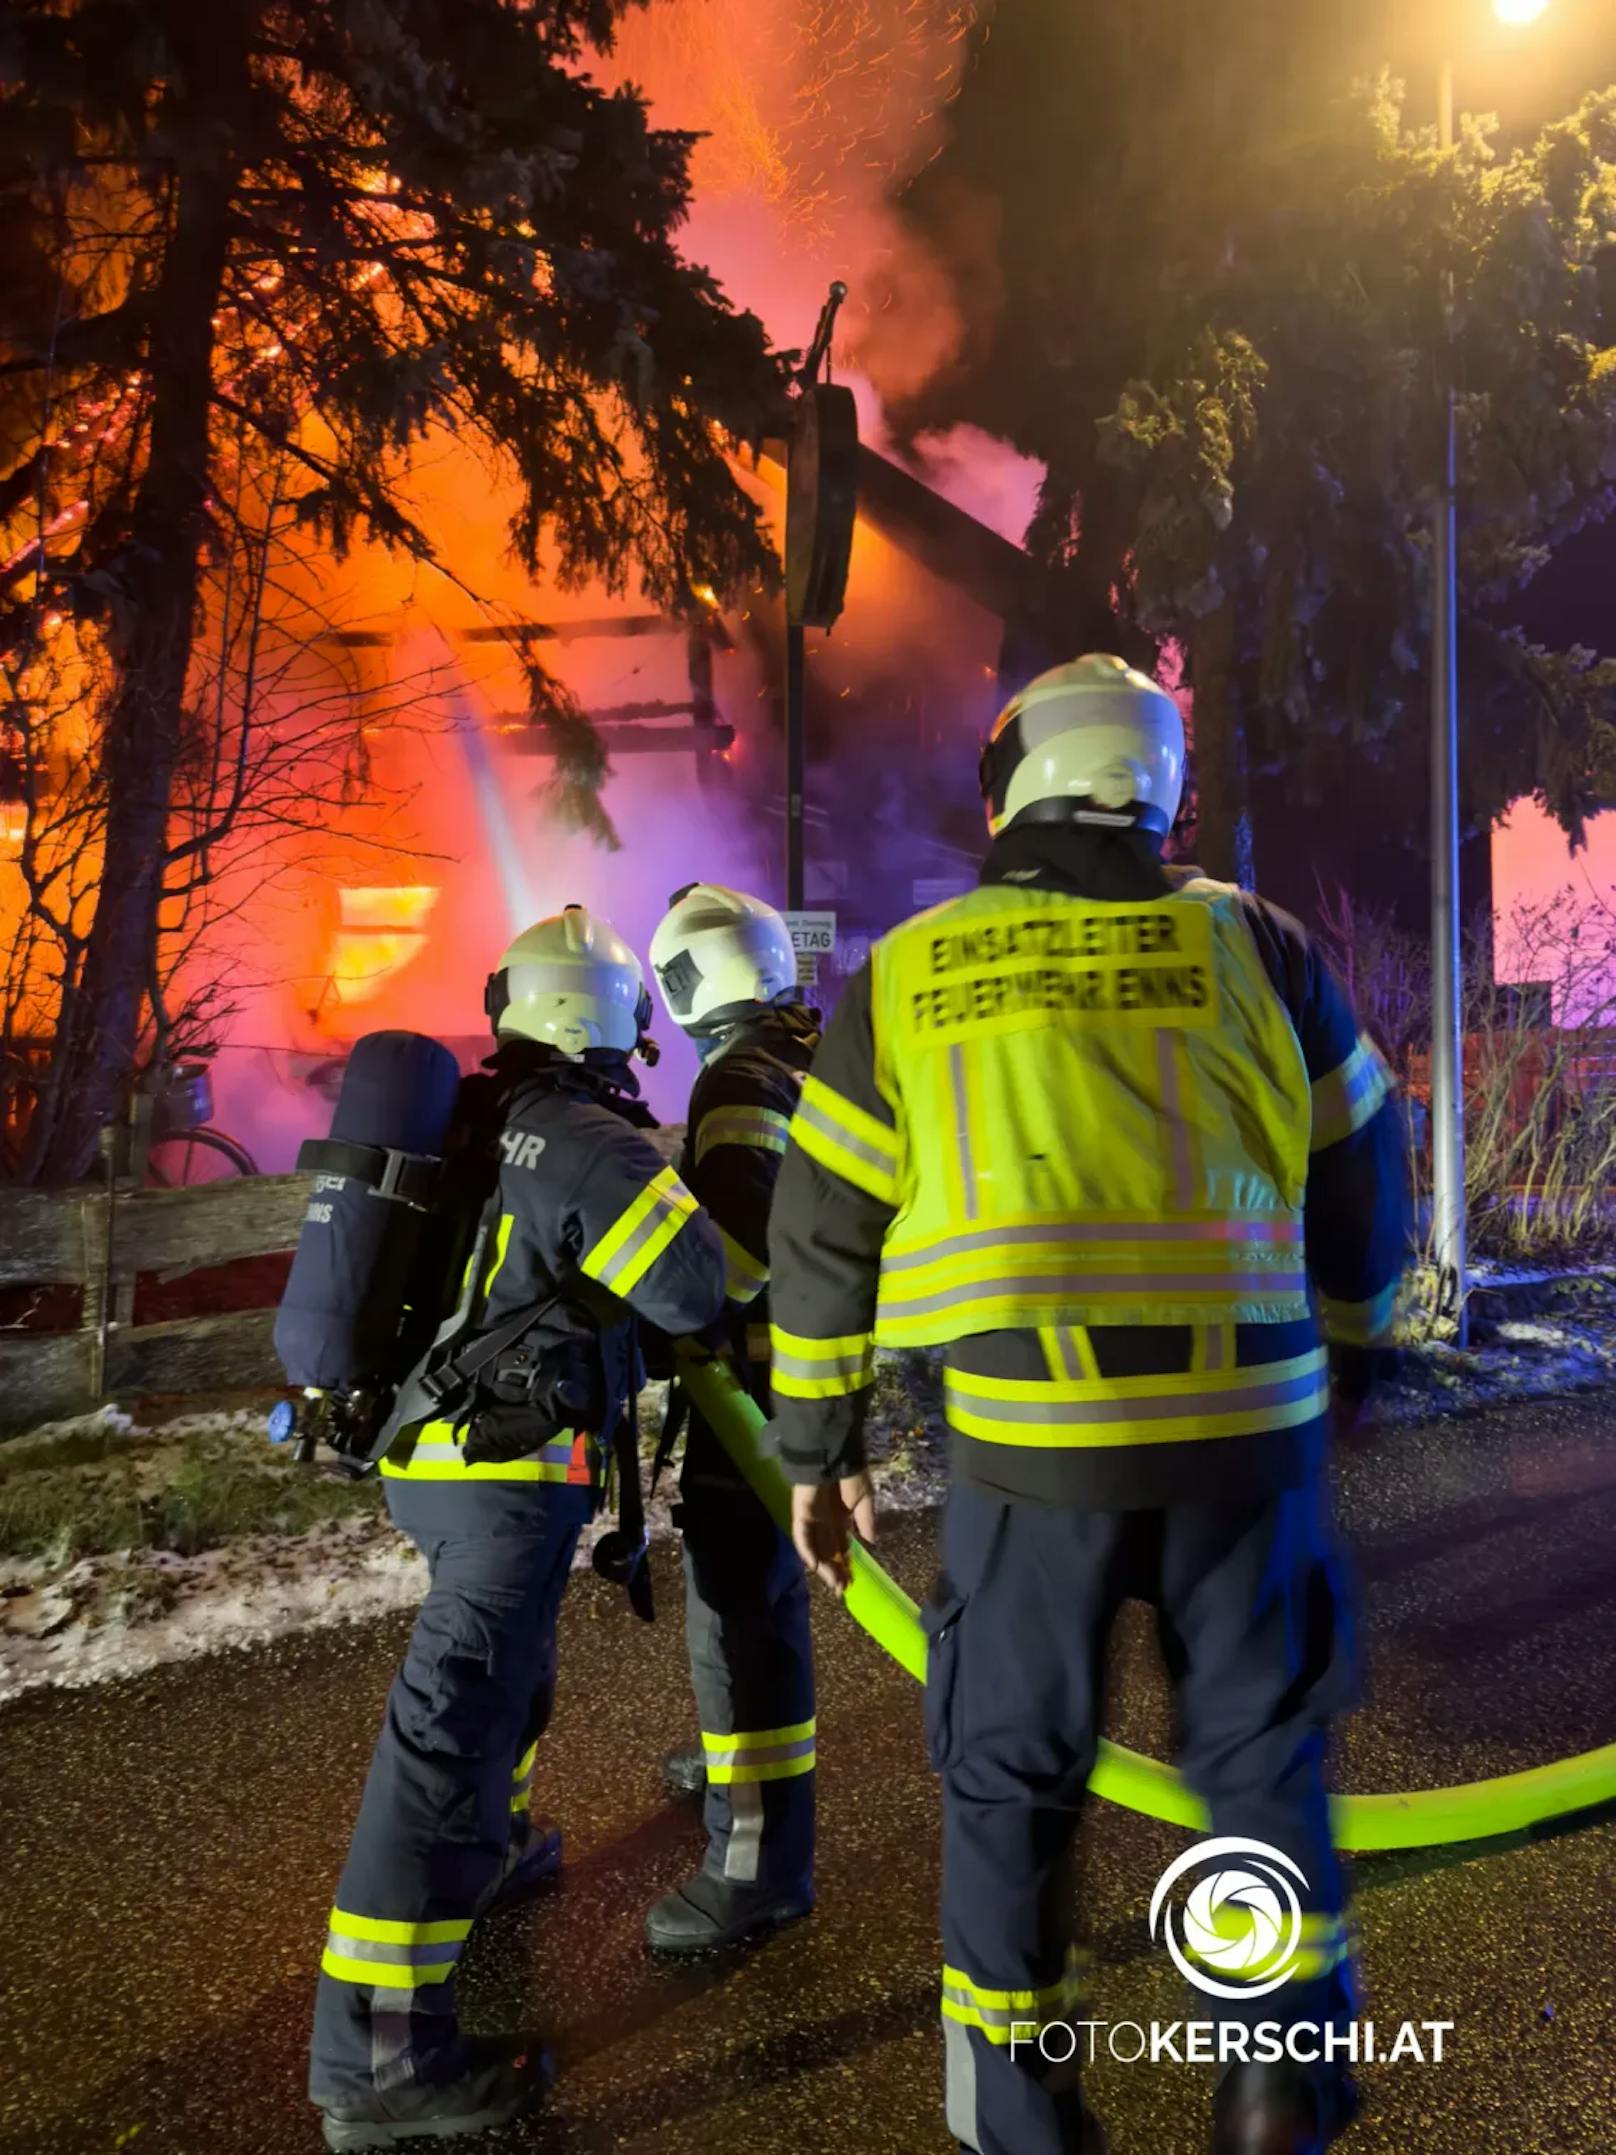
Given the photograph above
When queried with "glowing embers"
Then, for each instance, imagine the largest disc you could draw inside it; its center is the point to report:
(379, 931)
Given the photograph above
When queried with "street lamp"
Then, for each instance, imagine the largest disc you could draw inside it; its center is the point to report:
(1447, 1013)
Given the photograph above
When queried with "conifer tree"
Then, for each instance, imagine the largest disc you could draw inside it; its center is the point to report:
(1213, 307)
(316, 230)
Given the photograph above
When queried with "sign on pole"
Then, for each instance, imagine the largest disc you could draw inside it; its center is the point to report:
(813, 936)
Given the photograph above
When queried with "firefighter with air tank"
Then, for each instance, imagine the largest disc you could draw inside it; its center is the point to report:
(496, 1468)
(1105, 1132)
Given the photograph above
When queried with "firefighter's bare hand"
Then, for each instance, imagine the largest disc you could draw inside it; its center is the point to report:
(824, 1515)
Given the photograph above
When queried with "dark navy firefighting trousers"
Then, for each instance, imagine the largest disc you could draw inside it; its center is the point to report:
(1256, 1631)
(445, 1815)
(752, 1670)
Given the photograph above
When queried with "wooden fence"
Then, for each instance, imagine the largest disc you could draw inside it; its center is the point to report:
(99, 1243)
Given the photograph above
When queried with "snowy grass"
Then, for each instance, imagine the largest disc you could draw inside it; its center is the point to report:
(124, 1546)
(1534, 1334)
(118, 1615)
(104, 1483)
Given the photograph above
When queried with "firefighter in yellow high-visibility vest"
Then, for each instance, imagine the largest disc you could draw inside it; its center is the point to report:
(1106, 1133)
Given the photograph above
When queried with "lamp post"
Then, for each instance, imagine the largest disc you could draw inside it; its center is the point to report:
(1447, 1011)
(1447, 1014)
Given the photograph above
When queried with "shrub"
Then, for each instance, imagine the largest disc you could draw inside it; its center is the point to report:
(1540, 1063)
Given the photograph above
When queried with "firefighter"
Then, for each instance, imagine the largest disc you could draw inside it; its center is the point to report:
(586, 1231)
(1106, 1133)
(728, 975)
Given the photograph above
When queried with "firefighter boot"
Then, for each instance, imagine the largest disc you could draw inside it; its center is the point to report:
(685, 1772)
(707, 1912)
(1279, 2110)
(531, 1865)
(503, 2077)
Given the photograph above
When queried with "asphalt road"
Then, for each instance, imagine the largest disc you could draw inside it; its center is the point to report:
(171, 1843)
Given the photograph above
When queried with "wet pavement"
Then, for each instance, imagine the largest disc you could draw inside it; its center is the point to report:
(171, 1845)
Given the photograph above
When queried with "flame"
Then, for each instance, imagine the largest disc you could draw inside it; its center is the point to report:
(809, 115)
(814, 111)
(362, 965)
(382, 931)
(397, 905)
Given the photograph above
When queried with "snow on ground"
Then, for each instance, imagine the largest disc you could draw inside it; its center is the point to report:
(107, 1616)
(1536, 1335)
(98, 1617)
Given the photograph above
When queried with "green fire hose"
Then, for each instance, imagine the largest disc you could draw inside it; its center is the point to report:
(1420, 1818)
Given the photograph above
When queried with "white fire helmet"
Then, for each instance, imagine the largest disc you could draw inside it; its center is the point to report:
(1091, 742)
(570, 983)
(717, 954)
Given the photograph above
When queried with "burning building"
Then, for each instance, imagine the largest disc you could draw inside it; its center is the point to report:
(378, 888)
(394, 917)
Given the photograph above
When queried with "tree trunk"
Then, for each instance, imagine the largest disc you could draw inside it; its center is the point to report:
(1222, 781)
(99, 1026)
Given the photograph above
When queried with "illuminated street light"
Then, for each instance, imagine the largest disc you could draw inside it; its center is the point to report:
(1447, 1014)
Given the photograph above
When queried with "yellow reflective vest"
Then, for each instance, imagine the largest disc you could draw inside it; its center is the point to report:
(1102, 1118)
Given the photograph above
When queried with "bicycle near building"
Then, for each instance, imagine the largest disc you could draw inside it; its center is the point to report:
(166, 1138)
